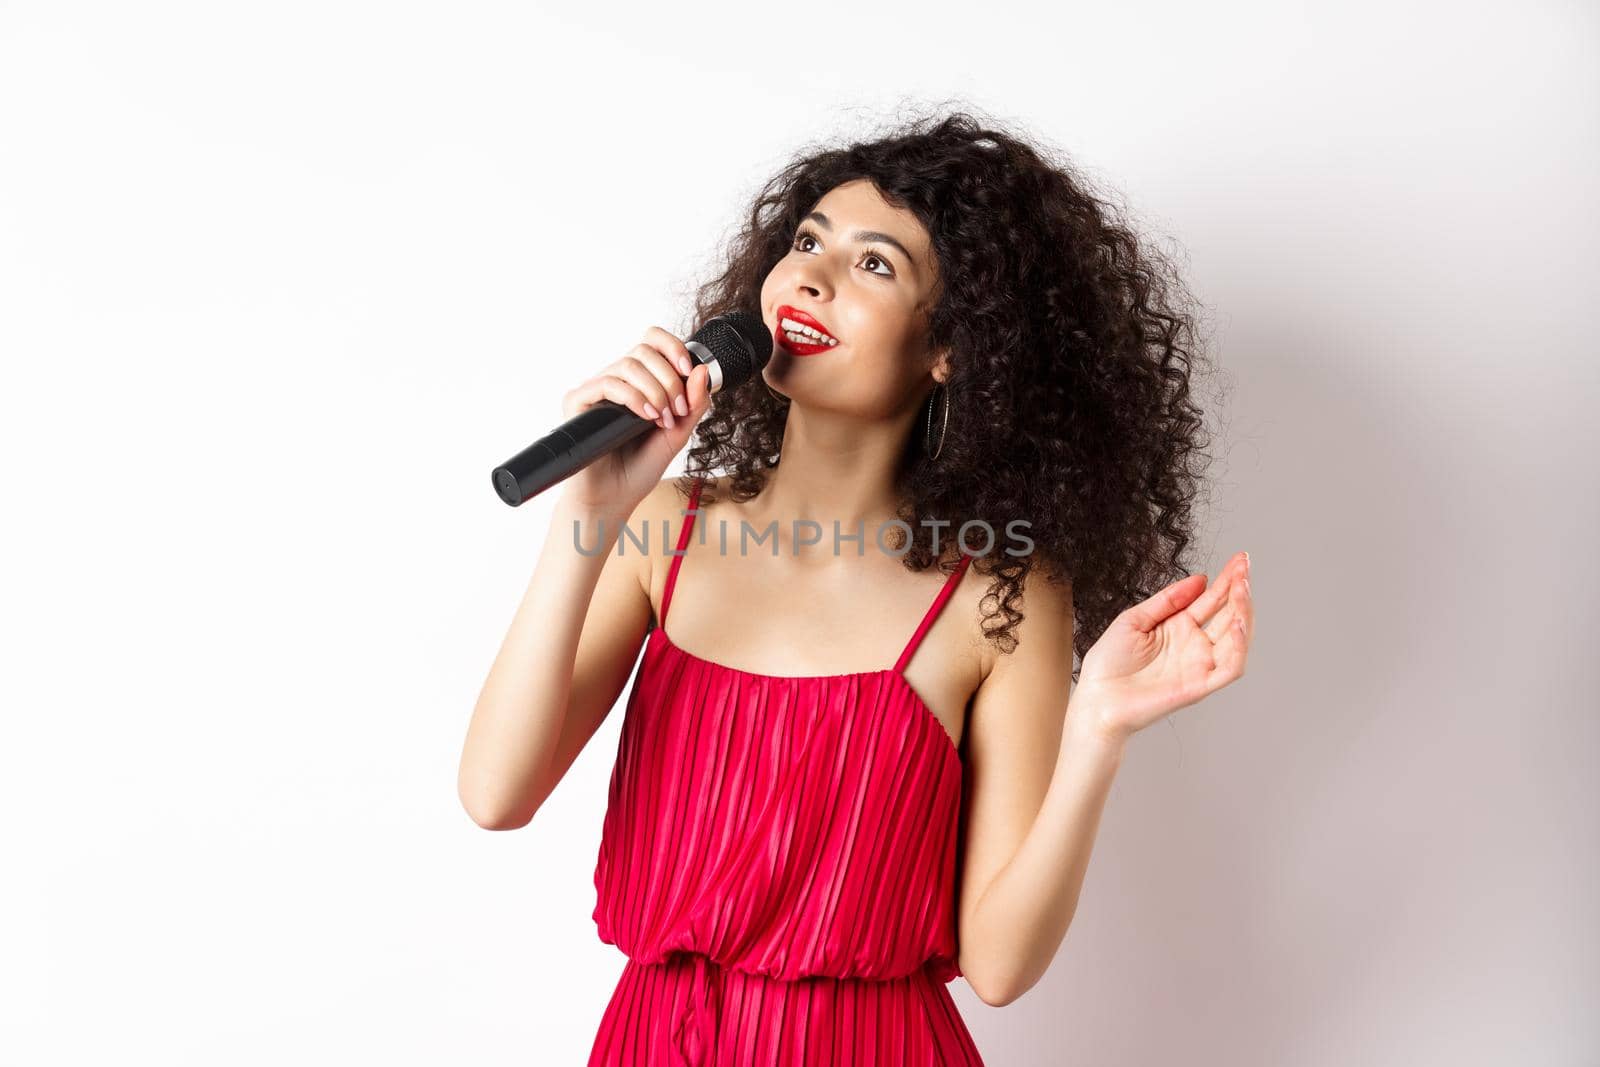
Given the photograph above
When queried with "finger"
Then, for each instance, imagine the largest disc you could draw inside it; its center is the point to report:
(635, 367)
(667, 371)
(698, 391)
(699, 386)
(1149, 614)
(1248, 613)
(608, 387)
(1238, 648)
(1227, 658)
(675, 349)
(1217, 596)
(1231, 652)
(1217, 626)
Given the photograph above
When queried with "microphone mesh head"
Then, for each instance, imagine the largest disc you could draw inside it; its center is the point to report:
(741, 344)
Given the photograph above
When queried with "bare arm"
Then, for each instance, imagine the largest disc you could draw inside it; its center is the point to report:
(1040, 783)
(578, 629)
(1042, 774)
(559, 670)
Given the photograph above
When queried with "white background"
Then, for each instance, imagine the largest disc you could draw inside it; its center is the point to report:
(281, 283)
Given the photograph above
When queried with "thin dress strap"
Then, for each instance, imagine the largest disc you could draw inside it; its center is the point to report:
(933, 612)
(683, 544)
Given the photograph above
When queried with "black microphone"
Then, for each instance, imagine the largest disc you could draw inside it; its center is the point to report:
(736, 345)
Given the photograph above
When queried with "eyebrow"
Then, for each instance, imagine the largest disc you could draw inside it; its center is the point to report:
(865, 235)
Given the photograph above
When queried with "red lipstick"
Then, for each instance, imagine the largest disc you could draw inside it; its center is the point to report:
(801, 348)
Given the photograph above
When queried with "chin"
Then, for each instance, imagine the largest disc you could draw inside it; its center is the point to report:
(782, 365)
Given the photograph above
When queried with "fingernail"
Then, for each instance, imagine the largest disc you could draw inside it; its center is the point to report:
(680, 405)
(667, 414)
(649, 409)
(1247, 561)
(684, 365)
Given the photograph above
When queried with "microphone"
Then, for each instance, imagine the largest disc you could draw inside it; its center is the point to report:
(736, 345)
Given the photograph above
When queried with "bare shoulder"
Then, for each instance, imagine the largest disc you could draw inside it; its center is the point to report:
(669, 502)
(662, 502)
(1046, 605)
(661, 513)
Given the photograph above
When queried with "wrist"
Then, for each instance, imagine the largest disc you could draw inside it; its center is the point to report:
(570, 507)
(1090, 719)
(589, 528)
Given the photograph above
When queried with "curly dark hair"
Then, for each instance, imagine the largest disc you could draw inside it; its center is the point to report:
(1071, 347)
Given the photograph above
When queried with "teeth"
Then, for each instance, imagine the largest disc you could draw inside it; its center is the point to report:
(807, 339)
(791, 326)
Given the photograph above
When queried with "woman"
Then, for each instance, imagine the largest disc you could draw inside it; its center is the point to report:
(804, 844)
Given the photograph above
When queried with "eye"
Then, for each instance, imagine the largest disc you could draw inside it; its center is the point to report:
(870, 254)
(805, 235)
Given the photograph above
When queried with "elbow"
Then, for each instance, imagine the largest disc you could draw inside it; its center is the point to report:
(498, 824)
(488, 814)
(993, 991)
(995, 998)
(1009, 998)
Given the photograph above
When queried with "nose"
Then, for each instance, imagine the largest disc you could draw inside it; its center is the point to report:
(812, 280)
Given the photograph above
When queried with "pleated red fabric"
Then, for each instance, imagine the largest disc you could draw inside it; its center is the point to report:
(778, 862)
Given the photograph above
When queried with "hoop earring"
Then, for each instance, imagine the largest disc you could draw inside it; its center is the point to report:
(927, 435)
(779, 397)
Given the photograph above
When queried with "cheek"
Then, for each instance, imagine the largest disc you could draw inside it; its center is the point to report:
(873, 382)
(772, 283)
(883, 327)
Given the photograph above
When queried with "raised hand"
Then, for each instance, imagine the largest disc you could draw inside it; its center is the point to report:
(1167, 652)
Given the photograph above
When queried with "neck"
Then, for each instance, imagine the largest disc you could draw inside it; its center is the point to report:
(836, 468)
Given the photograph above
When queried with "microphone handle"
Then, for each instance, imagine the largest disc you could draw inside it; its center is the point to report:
(568, 449)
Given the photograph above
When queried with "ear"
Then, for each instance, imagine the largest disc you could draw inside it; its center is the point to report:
(941, 366)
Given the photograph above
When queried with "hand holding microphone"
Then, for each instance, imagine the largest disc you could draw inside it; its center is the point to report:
(596, 447)
(650, 382)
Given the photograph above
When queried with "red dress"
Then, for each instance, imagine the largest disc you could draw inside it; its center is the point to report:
(778, 862)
